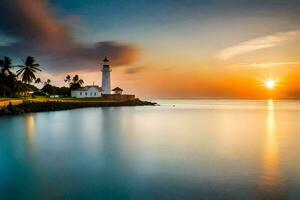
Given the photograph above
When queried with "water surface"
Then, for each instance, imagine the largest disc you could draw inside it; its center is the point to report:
(183, 149)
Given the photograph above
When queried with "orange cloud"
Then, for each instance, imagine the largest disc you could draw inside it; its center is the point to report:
(257, 43)
(40, 34)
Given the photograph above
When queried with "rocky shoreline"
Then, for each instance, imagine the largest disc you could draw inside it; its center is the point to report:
(33, 106)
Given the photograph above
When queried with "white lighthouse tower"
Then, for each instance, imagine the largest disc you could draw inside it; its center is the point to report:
(106, 76)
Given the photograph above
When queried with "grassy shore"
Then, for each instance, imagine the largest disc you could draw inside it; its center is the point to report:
(43, 104)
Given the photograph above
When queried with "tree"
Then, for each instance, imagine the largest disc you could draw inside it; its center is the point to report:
(37, 81)
(68, 79)
(63, 91)
(49, 89)
(28, 70)
(5, 65)
(75, 83)
(4, 89)
(47, 82)
(7, 78)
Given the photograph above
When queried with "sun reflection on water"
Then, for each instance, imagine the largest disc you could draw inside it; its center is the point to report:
(30, 129)
(30, 132)
(271, 181)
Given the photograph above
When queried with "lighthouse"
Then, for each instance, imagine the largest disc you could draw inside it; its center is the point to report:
(106, 76)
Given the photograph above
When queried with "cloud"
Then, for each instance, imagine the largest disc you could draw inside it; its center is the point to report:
(272, 64)
(257, 44)
(134, 70)
(41, 34)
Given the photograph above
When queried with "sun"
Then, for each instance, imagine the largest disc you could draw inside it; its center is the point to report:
(270, 84)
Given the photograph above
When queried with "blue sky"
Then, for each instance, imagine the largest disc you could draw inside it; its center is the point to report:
(206, 42)
(166, 23)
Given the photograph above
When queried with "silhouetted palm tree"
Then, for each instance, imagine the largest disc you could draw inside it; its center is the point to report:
(76, 79)
(37, 81)
(4, 88)
(80, 81)
(28, 70)
(76, 83)
(68, 79)
(47, 82)
(7, 78)
(5, 65)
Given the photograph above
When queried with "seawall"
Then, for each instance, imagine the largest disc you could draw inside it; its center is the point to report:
(34, 106)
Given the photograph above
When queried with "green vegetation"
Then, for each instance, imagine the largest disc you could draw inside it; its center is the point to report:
(18, 96)
(18, 84)
(28, 70)
(74, 82)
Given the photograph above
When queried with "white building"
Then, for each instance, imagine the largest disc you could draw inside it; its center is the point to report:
(87, 92)
(104, 91)
(106, 77)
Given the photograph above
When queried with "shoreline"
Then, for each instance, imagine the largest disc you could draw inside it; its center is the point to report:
(47, 106)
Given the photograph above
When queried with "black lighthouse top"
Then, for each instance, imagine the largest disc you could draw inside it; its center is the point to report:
(105, 59)
(105, 66)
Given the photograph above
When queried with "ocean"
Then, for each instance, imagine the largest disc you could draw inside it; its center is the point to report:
(182, 149)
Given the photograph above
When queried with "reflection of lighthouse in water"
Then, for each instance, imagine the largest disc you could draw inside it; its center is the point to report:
(106, 77)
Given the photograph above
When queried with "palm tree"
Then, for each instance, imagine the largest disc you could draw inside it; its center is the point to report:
(76, 79)
(68, 79)
(76, 83)
(7, 78)
(37, 81)
(5, 65)
(80, 82)
(28, 70)
(47, 82)
(4, 88)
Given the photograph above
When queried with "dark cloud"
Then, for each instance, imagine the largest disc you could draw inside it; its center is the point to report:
(134, 70)
(40, 34)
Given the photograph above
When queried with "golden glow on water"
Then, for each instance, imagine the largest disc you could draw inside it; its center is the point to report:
(243, 149)
(271, 156)
(30, 129)
(271, 182)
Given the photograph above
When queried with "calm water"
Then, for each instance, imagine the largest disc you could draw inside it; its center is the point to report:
(184, 149)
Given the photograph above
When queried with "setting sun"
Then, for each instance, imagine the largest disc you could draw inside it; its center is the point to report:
(270, 84)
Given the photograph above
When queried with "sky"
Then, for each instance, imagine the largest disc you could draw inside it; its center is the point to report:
(161, 48)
